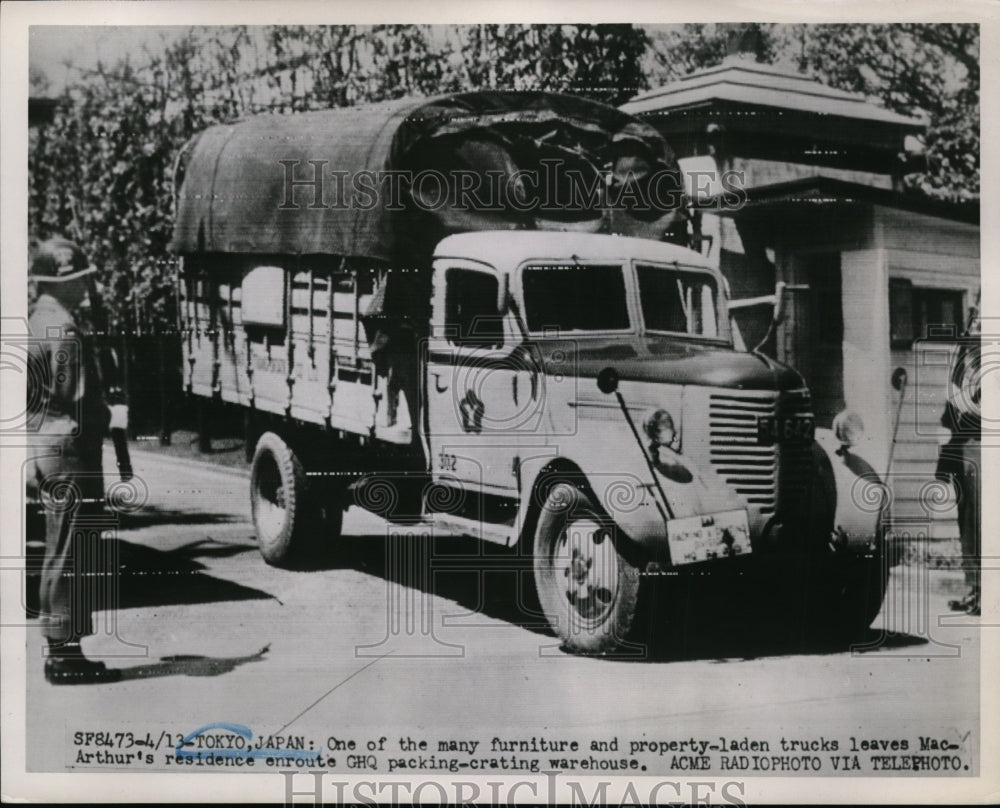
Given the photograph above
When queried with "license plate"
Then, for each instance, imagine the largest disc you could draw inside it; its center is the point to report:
(701, 538)
(774, 429)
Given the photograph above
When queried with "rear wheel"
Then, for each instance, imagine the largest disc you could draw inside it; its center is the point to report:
(288, 515)
(588, 590)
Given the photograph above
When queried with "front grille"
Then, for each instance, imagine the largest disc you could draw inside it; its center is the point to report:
(765, 476)
(751, 469)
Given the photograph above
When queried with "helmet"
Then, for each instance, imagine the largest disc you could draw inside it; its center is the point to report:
(58, 260)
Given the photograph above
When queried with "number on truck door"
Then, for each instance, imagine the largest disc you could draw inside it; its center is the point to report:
(472, 385)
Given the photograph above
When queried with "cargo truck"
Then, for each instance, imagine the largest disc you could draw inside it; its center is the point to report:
(565, 379)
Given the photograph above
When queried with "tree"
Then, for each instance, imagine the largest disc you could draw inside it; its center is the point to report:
(103, 168)
(38, 82)
(603, 62)
(914, 69)
(675, 51)
(102, 171)
(929, 69)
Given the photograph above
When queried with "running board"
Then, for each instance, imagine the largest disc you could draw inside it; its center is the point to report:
(485, 531)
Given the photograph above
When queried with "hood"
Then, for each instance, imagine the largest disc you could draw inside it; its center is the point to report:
(670, 361)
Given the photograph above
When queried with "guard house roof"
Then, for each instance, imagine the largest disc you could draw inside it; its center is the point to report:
(826, 193)
(753, 98)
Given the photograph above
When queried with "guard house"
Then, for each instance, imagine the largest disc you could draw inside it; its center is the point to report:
(878, 279)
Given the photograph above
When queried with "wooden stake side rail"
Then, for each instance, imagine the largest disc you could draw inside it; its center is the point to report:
(317, 369)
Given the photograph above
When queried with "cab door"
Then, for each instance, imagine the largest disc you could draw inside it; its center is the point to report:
(479, 386)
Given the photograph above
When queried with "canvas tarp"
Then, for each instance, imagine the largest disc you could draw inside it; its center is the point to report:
(236, 196)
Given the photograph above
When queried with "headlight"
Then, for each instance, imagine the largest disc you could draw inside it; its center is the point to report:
(661, 431)
(849, 428)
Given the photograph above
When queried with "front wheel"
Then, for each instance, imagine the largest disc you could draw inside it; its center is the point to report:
(588, 590)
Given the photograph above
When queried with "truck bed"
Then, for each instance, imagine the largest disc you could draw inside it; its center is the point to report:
(286, 340)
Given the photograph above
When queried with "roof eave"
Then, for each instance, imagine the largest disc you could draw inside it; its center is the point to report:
(826, 190)
(778, 101)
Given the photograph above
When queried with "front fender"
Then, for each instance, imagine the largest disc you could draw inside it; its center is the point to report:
(622, 485)
(860, 494)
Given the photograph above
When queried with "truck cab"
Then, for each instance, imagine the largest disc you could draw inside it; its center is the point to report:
(523, 325)
(584, 401)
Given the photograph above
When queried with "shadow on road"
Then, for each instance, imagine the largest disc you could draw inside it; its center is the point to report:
(481, 577)
(190, 665)
(144, 576)
(209, 548)
(149, 577)
(729, 620)
(151, 516)
(703, 618)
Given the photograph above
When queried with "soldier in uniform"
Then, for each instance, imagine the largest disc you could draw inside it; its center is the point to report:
(961, 459)
(66, 392)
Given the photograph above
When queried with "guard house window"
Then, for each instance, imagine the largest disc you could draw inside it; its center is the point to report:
(471, 315)
(917, 312)
(575, 297)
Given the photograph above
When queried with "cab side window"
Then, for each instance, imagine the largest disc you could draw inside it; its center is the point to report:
(471, 317)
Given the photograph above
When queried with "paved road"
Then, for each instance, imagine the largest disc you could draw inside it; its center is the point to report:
(211, 633)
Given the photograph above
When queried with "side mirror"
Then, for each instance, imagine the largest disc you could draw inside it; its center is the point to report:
(607, 380)
(779, 301)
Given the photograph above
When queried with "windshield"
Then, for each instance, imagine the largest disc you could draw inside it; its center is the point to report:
(575, 297)
(678, 302)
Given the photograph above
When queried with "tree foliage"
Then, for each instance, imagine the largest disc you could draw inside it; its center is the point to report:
(102, 171)
(603, 62)
(929, 70)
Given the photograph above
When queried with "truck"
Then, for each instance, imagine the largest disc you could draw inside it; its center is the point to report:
(563, 379)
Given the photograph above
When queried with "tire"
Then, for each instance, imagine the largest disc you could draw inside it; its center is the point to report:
(588, 590)
(280, 502)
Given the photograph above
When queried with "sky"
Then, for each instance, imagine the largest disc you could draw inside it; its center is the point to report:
(52, 45)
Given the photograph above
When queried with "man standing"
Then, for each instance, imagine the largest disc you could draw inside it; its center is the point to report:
(64, 388)
(961, 458)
